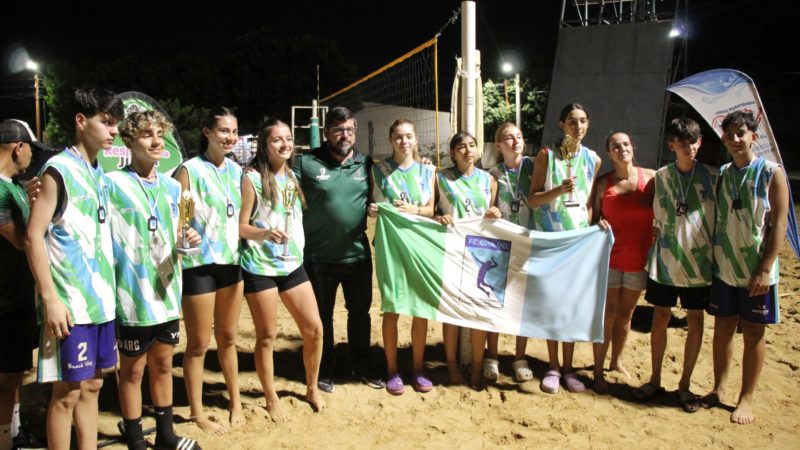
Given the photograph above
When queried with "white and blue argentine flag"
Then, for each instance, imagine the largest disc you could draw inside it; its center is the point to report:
(716, 93)
(493, 275)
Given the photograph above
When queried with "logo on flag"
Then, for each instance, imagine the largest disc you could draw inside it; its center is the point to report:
(485, 270)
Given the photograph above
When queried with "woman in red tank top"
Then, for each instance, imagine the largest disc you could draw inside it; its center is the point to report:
(624, 199)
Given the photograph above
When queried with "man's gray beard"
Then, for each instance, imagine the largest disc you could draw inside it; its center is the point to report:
(341, 151)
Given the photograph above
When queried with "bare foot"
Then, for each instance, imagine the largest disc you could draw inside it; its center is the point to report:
(619, 368)
(743, 414)
(710, 400)
(476, 376)
(237, 416)
(277, 413)
(454, 373)
(600, 385)
(207, 425)
(314, 397)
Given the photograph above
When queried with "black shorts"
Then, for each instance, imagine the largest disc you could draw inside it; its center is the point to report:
(258, 283)
(134, 341)
(667, 296)
(209, 278)
(19, 335)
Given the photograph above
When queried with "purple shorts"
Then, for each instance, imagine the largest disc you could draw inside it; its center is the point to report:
(79, 356)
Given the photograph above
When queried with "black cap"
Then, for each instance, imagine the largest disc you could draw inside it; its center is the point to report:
(13, 130)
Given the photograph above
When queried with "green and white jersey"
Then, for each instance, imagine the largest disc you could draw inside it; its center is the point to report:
(682, 254)
(513, 186)
(740, 234)
(16, 281)
(462, 196)
(147, 267)
(261, 257)
(78, 241)
(217, 199)
(413, 185)
(554, 215)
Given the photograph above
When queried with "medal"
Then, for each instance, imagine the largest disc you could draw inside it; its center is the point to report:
(152, 224)
(681, 208)
(736, 202)
(230, 209)
(101, 214)
(516, 194)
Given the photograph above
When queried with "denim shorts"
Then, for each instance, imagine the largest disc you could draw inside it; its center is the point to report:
(634, 281)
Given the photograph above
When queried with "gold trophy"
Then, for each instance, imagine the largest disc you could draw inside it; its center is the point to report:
(186, 213)
(289, 196)
(568, 149)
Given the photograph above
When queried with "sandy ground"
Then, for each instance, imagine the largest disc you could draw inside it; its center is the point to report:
(506, 414)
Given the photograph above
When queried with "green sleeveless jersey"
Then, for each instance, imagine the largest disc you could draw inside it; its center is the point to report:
(513, 186)
(682, 254)
(462, 196)
(742, 221)
(144, 229)
(78, 241)
(554, 215)
(412, 185)
(261, 257)
(217, 198)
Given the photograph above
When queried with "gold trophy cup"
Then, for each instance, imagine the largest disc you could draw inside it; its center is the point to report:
(186, 213)
(569, 148)
(289, 196)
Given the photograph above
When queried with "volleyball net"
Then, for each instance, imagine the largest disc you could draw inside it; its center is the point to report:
(406, 88)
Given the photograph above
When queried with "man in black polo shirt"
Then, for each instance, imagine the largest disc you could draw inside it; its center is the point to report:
(335, 180)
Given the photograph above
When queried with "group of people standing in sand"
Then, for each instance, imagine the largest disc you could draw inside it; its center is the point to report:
(115, 268)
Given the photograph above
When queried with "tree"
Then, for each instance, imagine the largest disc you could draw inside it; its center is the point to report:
(496, 110)
(188, 121)
(265, 74)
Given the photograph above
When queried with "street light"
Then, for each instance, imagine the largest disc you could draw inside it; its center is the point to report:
(31, 65)
(508, 68)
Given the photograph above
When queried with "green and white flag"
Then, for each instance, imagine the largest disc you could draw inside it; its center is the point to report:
(493, 275)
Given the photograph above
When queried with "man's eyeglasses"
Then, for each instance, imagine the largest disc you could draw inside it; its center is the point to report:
(343, 130)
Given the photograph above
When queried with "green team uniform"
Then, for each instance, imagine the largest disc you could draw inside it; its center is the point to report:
(740, 234)
(78, 241)
(217, 199)
(337, 194)
(461, 196)
(554, 215)
(411, 185)
(144, 229)
(681, 255)
(513, 186)
(261, 257)
(16, 281)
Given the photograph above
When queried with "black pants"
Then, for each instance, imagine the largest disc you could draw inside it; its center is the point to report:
(356, 281)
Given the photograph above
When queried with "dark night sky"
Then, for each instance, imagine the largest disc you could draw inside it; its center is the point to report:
(757, 37)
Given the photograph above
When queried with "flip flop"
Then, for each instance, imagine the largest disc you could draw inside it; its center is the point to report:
(522, 371)
(709, 400)
(689, 401)
(551, 382)
(394, 385)
(647, 392)
(572, 383)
